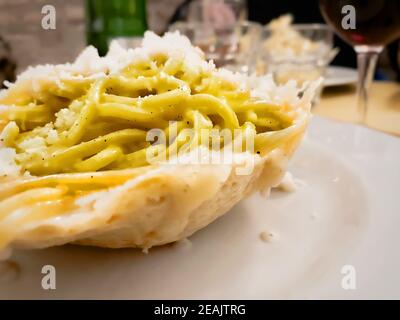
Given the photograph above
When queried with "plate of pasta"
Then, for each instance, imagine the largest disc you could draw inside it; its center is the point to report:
(136, 165)
(140, 148)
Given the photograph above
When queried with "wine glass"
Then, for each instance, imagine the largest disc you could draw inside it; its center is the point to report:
(368, 25)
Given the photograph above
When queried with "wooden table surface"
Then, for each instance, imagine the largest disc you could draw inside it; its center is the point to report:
(339, 103)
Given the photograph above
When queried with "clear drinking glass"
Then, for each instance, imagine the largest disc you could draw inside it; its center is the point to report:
(217, 13)
(246, 37)
(301, 52)
(211, 26)
(367, 25)
(237, 52)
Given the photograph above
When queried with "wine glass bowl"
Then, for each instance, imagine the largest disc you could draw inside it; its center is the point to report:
(367, 25)
(376, 23)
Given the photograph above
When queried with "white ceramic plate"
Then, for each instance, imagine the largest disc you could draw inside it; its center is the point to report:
(339, 76)
(348, 213)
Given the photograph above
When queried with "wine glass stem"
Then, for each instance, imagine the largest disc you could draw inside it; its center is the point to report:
(367, 57)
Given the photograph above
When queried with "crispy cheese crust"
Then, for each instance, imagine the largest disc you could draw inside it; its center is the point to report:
(148, 205)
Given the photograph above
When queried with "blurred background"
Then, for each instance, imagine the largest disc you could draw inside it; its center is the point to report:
(20, 28)
(292, 40)
(23, 38)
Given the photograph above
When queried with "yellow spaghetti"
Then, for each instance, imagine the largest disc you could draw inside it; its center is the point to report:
(77, 136)
(108, 121)
(71, 136)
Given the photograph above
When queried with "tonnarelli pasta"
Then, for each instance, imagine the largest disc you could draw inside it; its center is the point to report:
(83, 145)
(101, 124)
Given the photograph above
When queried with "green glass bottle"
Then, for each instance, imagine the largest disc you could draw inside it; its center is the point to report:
(110, 19)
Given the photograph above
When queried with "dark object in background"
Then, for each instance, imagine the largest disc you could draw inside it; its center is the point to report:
(181, 13)
(7, 63)
(107, 20)
(394, 57)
